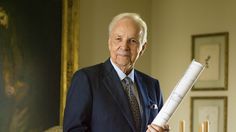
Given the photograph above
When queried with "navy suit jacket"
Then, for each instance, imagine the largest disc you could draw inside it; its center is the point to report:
(96, 101)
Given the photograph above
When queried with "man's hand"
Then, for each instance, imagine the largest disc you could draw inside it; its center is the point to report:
(155, 128)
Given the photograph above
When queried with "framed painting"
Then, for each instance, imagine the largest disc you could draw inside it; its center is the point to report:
(30, 64)
(211, 109)
(211, 50)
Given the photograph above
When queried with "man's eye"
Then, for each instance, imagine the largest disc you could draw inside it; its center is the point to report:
(133, 41)
(118, 39)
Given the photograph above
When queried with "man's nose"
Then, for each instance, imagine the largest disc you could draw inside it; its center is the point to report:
(125, 43)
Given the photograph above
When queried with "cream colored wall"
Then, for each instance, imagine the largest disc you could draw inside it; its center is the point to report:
(95, 16)
(173, 23)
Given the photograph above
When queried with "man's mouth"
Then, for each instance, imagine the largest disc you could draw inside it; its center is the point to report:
(123, 53)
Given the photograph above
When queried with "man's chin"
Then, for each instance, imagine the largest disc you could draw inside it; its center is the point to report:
(122, 61)
(124, 64)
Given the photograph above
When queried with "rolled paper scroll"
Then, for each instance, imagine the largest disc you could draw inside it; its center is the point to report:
(180, 90)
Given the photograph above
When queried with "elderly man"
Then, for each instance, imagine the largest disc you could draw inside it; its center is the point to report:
(113, 96)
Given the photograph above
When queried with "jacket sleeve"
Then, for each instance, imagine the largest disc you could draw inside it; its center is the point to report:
(78, 104)
(159, 96)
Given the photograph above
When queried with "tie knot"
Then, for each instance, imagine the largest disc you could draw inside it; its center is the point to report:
(127, 81)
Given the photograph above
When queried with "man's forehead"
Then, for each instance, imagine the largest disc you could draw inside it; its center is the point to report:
(121, 34)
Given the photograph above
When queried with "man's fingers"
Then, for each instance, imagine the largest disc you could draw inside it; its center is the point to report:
(155, 128)
(166, 128)
(152, 128)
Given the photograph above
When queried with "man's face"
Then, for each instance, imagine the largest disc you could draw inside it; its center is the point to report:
(125, 43)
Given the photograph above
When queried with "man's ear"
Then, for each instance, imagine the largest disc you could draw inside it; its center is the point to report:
(143, 49)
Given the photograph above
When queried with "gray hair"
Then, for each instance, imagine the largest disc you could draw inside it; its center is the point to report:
(134, 16)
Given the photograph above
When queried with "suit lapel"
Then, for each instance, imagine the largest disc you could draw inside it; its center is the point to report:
(143, 96)
(112, 83)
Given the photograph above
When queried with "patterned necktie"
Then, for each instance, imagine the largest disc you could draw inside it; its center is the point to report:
(134, 106)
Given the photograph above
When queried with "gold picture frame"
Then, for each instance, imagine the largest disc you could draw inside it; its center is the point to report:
(70, 48)
(213, 109)
(212, 50)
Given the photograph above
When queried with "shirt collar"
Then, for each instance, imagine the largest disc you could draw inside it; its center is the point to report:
(121, 74)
